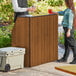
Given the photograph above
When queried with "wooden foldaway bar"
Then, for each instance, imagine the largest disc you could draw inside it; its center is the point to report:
(39, 35)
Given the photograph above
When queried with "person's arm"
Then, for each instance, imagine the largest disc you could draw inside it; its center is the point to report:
(70, 22)
(61, 12)
(17, 8)
(70, 19)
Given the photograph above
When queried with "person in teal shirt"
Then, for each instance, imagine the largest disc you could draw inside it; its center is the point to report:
(68, 18)
(68, 23)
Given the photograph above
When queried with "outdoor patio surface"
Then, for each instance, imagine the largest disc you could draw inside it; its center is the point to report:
(47, 69)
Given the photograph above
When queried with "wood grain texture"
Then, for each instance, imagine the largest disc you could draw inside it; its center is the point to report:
(39, 35)
(55, 29)
(20, 36)
(44, 39)
(66, 71)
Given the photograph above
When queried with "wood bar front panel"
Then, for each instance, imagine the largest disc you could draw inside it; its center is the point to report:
(43, 39)
(55, 30)
(39, 35)
(20, 36)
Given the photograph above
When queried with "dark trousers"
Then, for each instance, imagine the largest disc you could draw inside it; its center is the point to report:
(69, 42)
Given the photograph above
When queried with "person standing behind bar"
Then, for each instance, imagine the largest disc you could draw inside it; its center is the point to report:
(68, 23)
(20, 8)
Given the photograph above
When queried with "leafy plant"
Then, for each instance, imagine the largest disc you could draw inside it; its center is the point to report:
(5, 41)
(43, 6)
(75, 34)
(30, 3)
(5, 35)
(61, 39)
(6, 10)
(55, 2)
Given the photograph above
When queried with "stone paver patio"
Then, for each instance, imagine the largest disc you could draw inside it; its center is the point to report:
(47, 69)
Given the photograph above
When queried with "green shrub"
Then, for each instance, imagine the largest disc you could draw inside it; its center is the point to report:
(61, 39)
(75, 34)
(30, 3)
(5, 41)
(5, 36)
(6, 10)
(55, 2)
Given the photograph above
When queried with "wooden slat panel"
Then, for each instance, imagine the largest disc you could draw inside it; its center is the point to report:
(33, 40)
(21, 33)
(13, 43)
(50, 37)
(55, 37)
(42, 41)
(46, 36)
(39, 40)
(45, 39)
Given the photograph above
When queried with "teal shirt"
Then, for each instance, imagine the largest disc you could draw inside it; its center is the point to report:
(68, 18)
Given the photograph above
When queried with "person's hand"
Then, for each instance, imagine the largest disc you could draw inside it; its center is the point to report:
(68, 33)
(55, 12)
(32, 9)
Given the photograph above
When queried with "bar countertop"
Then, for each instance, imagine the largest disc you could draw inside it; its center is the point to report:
(36, 16)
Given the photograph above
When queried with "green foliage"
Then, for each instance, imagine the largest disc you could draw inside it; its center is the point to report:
(5, 36)
(31, 3)
(5, 30)
(61, 39)
(5, 41)
(43, 6)
(7, 13)
(6, 10)
(55, 2)
(75, 34)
